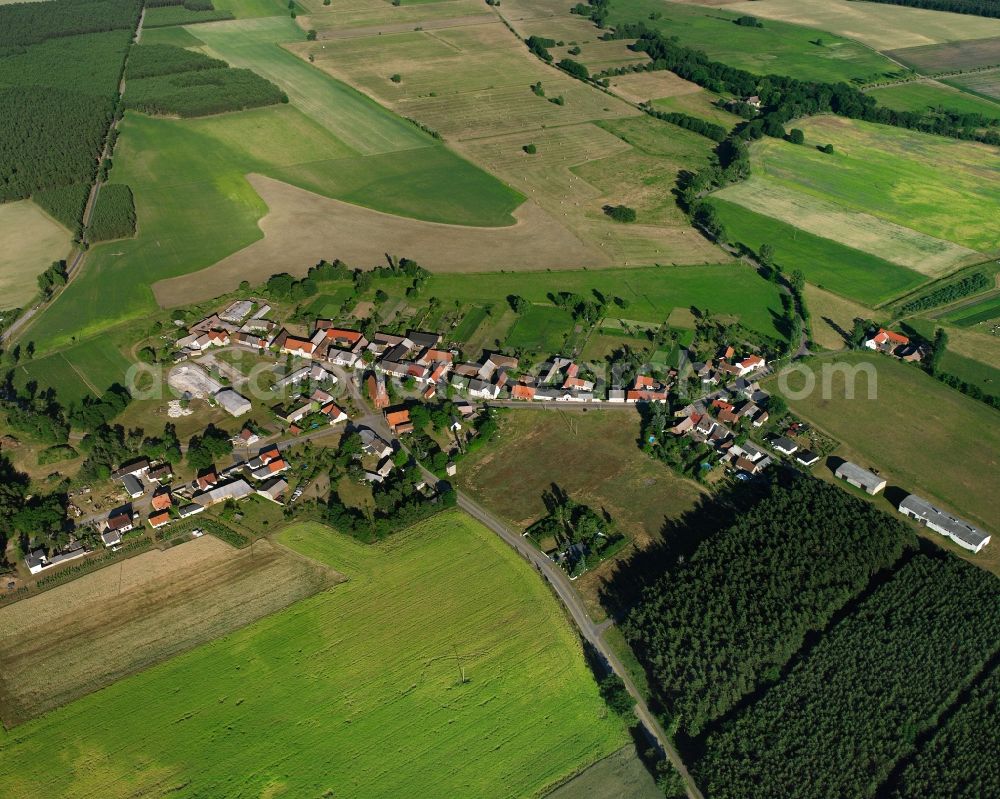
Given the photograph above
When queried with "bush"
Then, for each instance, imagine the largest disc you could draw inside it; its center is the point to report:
(621, 213)
(396, 78)
(54, 454)
(574, 68)
(796, 136)
(114, 214)
(530, 149)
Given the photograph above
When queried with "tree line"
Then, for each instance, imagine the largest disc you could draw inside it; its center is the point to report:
(709, 130)
(852, 708)
(715, 628)
(968, 285)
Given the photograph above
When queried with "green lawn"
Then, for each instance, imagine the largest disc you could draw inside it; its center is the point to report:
(925, 96)
(541, 328)
(777, 48)
(824, 262)
(354, 692)
(971, 371)
(923, 436)
(88, 368)
(941, 187)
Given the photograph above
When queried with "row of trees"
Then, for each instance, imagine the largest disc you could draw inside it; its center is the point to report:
(968, 285)
(785, 98)
(202, 92)
(720, 625)
(695, 124)
(854, 707)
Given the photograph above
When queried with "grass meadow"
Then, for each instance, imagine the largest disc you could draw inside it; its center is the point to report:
(976, 313)
(940, 187)
(32, 241)
(346, 692)
(651, 292)
(90, 367)
(923, 96)
(541, 328)
(776, 48)
(825, 262)
(922, 436)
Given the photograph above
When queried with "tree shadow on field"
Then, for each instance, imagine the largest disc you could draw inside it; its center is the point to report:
(679, 538)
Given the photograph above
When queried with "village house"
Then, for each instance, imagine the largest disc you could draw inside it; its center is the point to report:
(135, 468)
(133, 486)
(273, 489)
(160, 473)
(206, 480)
(867, 481)
(373, 444)
(784, 445)
(299, 347)
(158, 520)
(37, 561)
(246, 438)
(807, 457)
(235, 490)
(932, 517)
(886, 341)
(399, 421)
(377, 393)
(161, 499)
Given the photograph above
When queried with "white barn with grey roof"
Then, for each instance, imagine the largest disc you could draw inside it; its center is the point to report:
(958, 530)
(869, 482)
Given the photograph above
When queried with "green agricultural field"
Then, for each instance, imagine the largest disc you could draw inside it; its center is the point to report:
(177, 36)
(973, 314)
(652, 292)
(776, 48)
(698, 104)
(354, 119)
(923, 436)
(352, 686)
(194, 206)
(972, 371)
(88, 368)
(923, 96)
(163, 16)
(940, 187)
(245, 9)
(541, 329)
(824, 262)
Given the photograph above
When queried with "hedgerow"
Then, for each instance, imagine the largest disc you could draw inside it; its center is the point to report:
(953, 291)
(114, 214)
(210, 91)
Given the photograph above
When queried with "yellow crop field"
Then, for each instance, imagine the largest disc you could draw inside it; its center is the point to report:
(32, 240)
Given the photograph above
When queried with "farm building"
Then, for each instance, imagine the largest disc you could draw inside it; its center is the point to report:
(958, 530)
(237, 311)
(38, 561)
(234, 404)
(133, 487)
(193, 380)
(273, 489)
(237, 489)
(860, 478)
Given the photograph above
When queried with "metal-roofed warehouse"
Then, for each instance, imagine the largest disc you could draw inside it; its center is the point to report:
(861, 478)
(958, 530)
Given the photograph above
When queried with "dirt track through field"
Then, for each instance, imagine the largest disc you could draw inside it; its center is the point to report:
(86, 634)
(302, 227)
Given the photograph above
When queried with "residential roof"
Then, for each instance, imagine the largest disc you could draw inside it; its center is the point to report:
(120, 520)
(807, 457)
(293, 344)
(523, 392)
(159, 519)
(783, 444)
(162, 500)
(397, 417)
(132, 485)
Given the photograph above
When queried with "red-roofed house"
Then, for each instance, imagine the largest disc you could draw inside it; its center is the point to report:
(301, 347)
(159, 519)
(522, 392)
(399, 421)
(162, 500)
(886, 341)
(207, 480)
(752, 363)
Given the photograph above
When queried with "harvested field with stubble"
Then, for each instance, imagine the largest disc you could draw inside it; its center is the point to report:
(299, 224)
(341, 18)
(87, 634)
(32, 240)
(880, 26)
(638, 87)
(986, 84)
(442, 648)
(953, 56)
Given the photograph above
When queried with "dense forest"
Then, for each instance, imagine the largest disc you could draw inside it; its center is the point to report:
(114, 214)
(717, 626)
(60, 65)
(856, 704)
(960, 760)
(150, 60)
(980, 8)
(202, 92)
